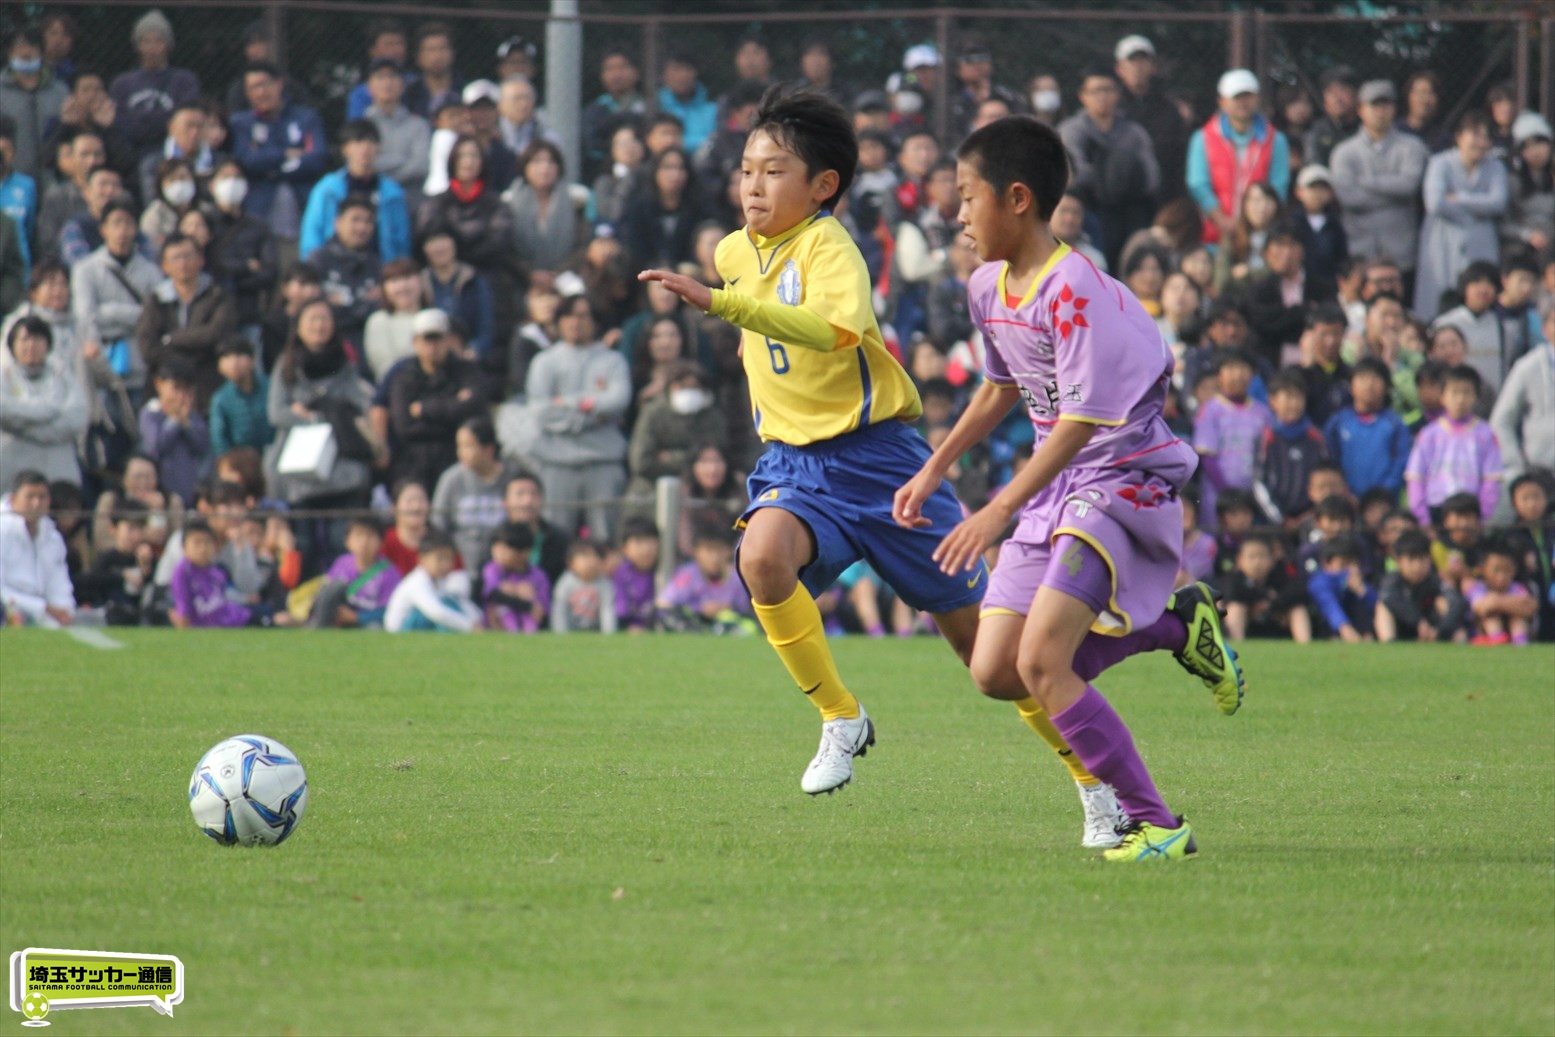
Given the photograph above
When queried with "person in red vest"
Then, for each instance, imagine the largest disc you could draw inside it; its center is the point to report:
(1237, 147)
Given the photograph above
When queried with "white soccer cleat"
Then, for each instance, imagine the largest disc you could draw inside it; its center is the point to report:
(841, 740)
(1104, 817)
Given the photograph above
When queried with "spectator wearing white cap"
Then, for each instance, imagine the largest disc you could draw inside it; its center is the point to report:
(1318, 226)
(1235, 148)
(1144, 100)
(147, 95)
(428, 401)
(1530, 212)
(1376, 176)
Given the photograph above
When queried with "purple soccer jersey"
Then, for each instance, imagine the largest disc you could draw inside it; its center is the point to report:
(372, 595)
(1080, 347)
(1453, 457)
(1231, 431)
(634, 597)
(689, 588)
(200, 596)
(497, 580)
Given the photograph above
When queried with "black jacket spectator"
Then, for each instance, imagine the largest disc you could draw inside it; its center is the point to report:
(352, 279)
(447, 397)
(662, 217)
(1274, 323)
(242, 259)
(1325, 248)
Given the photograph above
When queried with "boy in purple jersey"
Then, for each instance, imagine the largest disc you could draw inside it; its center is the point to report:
(199, 586)
(1456, 453)
(704, 594)
(358, 585)
(516, 593)
(633, 576)
(1086, 577)
(1229, 427)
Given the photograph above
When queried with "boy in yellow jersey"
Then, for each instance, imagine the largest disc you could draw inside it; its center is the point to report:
(836, 410)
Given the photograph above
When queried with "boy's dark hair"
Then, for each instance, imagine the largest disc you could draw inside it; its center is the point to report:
(1480, 270)
(1222, 308)
(303, 273)
(369, 522)
(1231, 500)
(1335, 507)
(814, 127)
(1462, 373)
(436, 540)
(1526, 479)
(1432, 372)
(1412, 543)
(710, 533)
(225, 491)
(1376, 495)
(264, 67)
(516, 535)
(7, 127)
(45, 270)
(176, 370)
(746, 91)
(1263, 540)
(1342, 547)
(1504, 548)
(1226, 357)
(1325, 313)
(380, 27)
(1021, 150)
(360, 129)
(938, 387)
(173, 240)
(1288, 381)
(1371, 365)
(28, 477)
(482, 429)
(1520, 259)
(684, 57)
(666, 119)
(1324, 465)
(584, 546)
(130, 510)
(430, 29)
(120, 204)
(523, 475)
(1401, 513)
(1461, 504)
(197, 527)
(356, 201)
(639, 528)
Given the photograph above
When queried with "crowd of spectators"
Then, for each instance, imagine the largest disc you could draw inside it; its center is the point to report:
(261, 370)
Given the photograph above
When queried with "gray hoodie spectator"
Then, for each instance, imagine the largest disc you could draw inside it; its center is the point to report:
(1376, 176)
(31, 98)
(108, 295)
(43, 405)
(1524, 415)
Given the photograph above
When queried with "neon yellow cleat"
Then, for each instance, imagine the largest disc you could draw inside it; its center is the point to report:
(1143, 841)
(1206, 655)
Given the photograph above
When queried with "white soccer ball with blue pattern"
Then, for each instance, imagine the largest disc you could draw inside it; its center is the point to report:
(248, 791)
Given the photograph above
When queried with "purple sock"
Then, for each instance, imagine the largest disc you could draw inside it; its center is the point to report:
(1099, 653)
(1100, 738)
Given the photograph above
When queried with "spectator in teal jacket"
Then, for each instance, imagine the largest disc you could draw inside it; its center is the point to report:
(359, 143)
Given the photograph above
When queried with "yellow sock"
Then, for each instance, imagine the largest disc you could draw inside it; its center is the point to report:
(1037, 720)
(795, 630)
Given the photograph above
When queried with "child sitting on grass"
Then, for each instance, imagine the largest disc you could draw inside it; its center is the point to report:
(199, 587)
(434, 596)
(120, 575)
(1264, 595)
(634, 576)
(1503, 609)
(358, 585)
(705, 595)
(516, 592)
(585, 597)
(1344, 603)
(1415, 603)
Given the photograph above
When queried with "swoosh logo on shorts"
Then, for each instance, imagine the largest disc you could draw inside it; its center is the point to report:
(973, 581)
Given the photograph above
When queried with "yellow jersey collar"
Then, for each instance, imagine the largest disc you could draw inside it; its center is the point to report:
(1036, 282)
(789, 234)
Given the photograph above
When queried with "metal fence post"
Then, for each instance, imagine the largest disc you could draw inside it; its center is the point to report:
(1547, 66)
(1241, 48)
(947, 69)
(275, 25)
(651, 64)
(1520, 68)
(564, 74)
(666, 515)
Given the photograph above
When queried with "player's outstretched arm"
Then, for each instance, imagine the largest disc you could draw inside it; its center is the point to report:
(987, 408)
(688, 288)
(960, 551)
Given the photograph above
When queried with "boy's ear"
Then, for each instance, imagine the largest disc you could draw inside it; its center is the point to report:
(1020, 198)
(825, 185)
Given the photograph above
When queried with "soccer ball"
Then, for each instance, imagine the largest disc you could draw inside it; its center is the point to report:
(35, 1005)
(249, 790)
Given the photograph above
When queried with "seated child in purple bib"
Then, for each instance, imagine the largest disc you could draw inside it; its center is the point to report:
(516, 593)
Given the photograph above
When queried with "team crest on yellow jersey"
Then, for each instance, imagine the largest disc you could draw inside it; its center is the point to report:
(789, 288)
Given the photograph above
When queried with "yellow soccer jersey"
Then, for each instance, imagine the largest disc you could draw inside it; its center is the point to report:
(841, 378)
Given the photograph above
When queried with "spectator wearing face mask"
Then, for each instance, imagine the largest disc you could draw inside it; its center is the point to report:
(669, 429)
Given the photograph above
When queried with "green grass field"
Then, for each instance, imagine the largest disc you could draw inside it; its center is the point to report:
(607, 836)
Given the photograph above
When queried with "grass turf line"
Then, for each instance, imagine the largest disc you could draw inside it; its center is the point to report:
(1367, 864)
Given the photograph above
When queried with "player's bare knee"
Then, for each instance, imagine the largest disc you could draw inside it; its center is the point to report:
(769, 575)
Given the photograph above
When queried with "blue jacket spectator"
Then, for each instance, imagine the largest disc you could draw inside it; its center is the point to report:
(1371, 448)
(1332, 589)
(684, 97)
(318, 220)
(461, 293)
(281, 149)
(19, 200)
